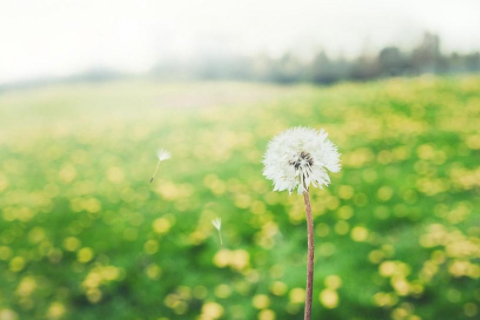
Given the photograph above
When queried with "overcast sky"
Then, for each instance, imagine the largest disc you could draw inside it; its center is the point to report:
(41, 38)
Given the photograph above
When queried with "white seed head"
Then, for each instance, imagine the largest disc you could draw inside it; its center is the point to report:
(217, 223)
(299, 157)
(163, 155)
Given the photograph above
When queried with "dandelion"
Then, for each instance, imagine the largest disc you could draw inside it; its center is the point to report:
(299, 157)
(296, 159)
(217, 223)
(161, 155)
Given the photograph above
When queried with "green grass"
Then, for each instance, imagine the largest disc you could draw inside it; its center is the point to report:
(83, 235)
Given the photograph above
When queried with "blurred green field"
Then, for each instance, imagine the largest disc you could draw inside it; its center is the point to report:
(83, 235)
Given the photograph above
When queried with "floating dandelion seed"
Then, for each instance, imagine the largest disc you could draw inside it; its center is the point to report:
(217, 223)
(298, 158)
(161, 155)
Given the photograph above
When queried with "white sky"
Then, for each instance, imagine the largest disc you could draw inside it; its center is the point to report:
(40, 38)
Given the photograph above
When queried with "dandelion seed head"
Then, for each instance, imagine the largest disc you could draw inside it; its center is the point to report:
(163, 154)
(299, 157)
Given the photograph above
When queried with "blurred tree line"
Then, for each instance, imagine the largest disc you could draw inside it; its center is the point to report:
(322, 69)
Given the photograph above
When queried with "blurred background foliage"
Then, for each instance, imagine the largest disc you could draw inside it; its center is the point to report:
(323, 68)
(83, 235)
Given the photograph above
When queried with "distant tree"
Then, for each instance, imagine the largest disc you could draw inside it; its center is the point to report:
(261, 67)
(392, 62)
(472, 62)
(223, 67)
(426, 57)
(325, 71)
(365, 68)
(456, 64)
(287, 69)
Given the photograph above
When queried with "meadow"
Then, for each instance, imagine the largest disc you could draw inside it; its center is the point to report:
(84, 235)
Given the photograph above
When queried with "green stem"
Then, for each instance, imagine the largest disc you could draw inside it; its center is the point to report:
(311, 253)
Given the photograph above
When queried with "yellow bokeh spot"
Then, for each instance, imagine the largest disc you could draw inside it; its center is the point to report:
(360, 200)
(326, 249)
(7, 314)
(222, 258)
(332, 203)
(329, 298)
(322, 229)
(345, 192)
(383, 299)
(385, 193)
(292, 308)
(56, 311)
(216, 185)
(171, 300)
(67, 173)
(359, 234)
(277, 271)
(375, 256)
(278, 288)
(94, 295)
(181, 307)
(3, 182)
(71, 244)
(5, 253)
(151, 246)
(258, 207)
(17, 264)
(161, 225)
(110, 273)
(36, 235)
(239, 259)
(154, 271)
(369, 175)
(261, 301)
(266, 315)
(98, 276)
(471, 309)
(212, 310)
(387, 268)
(333, 282)
(342, 227)
(185, 292)
(200, 292)
(84, 255)
(236, 259)
(297, 295)
(400, 313)
(425, 152)
(358, 157)
(92, 205)
(473, 141)
(115, 175)
(223, 291)
(26, 287)
(345, 212)
(197, 237)
(391, 268)
(401, 286)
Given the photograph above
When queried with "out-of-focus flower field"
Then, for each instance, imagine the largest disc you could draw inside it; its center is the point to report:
(83, 235)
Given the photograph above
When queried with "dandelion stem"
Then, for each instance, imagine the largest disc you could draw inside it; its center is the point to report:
(220, 235)
(153, 177)
(311, 253)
